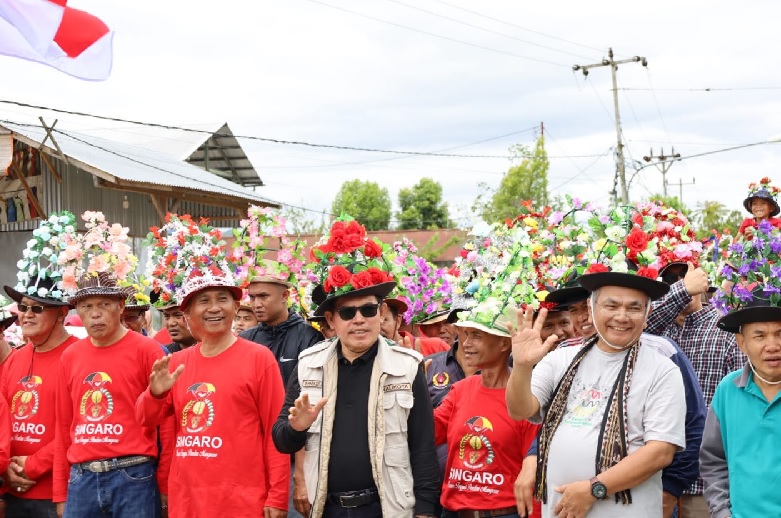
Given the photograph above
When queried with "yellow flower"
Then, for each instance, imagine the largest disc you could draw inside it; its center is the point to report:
(536, 247)
(600, 244)
(530, 222)
(541, 295)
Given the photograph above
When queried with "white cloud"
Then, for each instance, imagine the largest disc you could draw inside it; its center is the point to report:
(297, 70)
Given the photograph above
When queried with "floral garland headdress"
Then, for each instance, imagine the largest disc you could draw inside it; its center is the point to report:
(349, 262)
(40, 274)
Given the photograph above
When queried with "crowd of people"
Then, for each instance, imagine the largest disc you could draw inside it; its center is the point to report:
(579, 363)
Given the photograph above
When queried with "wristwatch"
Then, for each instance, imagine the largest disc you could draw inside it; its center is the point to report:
(598, 489)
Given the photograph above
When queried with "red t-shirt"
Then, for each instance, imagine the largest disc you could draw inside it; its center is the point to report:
(425, 345)
(162, 337)
(29, 384)
(225, 463)
(753, 223)
(96, 403)
(486, 447)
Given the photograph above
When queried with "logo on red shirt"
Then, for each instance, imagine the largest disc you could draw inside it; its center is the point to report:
(25, 402)
(198, 413)
(96, 403)
(474, 449)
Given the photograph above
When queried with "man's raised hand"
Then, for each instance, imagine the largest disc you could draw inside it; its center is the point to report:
(161, 380)
(303, 414)
(528, 347)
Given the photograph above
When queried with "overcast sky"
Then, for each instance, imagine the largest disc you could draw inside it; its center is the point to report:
(387, 74)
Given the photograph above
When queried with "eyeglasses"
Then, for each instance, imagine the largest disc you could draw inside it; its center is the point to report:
(367, 311)
(35, 309)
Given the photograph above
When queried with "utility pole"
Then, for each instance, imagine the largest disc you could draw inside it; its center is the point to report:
(680, 189)
(663, 163)
(613, 64)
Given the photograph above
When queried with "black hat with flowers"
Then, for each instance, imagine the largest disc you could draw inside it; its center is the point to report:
(763, 190)
(41, 276)
(349, 264)
(625, 254)
(753, 270)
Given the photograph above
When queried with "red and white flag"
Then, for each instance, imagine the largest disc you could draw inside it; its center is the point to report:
(50, 32)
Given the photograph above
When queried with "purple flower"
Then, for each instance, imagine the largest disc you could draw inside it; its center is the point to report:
(727, 271)
(742, 293)
(775, 271)
(765, 226)
(736, 248)
(744, 269)
(775, 246)
(767, 289)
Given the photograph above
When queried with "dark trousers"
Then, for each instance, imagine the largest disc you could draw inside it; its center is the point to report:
(28, 508)
(372, 510)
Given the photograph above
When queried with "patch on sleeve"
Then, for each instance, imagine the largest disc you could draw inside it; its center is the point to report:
(395, 387)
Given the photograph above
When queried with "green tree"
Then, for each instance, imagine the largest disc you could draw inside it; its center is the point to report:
(714, 215)
(366, 201)
(422, 206)
(526, 180)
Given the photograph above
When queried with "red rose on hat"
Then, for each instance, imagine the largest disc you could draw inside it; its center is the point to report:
(597, 268)
(361, 280)
(637, 240)
(372, 249)
(356, 228)
(650, 273)
(353, 242)
(378, 276)
(338, 276)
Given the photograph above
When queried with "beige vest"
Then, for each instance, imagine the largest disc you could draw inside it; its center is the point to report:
(390, 401)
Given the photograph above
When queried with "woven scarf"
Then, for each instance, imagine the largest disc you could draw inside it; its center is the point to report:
(612, 444)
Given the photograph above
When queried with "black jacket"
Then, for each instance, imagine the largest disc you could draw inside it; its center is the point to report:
(285, 340)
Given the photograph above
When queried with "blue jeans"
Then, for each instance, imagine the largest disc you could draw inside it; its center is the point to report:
(28, 508)
(120, 493)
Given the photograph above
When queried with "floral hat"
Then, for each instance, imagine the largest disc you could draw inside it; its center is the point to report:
(165, 268)
(625, 253)
(674, 236)
(255, 238)
(423, 288)
(567, 242)
(189, 257)
(40, 275)
(763, 190)
(98, 262)
(502, 277)
(753, 271)
(349, 263)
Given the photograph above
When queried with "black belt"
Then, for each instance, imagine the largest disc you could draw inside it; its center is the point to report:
(106, 465)
(350, 499)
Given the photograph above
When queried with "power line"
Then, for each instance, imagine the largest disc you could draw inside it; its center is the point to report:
(362, 162)
(440, 36)
(467, 24)
(246, 137)
(518, 26)
(706, 89)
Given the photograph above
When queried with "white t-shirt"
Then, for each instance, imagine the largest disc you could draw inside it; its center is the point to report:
(656, 411)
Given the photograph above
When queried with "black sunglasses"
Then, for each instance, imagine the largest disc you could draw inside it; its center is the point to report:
(367, 311)
(35, 309)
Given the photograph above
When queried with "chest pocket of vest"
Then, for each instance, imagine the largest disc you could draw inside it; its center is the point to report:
(397, 405)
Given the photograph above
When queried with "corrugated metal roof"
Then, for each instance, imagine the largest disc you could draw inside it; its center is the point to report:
(117, 160)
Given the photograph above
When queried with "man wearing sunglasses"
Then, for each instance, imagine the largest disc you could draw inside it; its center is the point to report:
(360, 406)
(29, 382)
